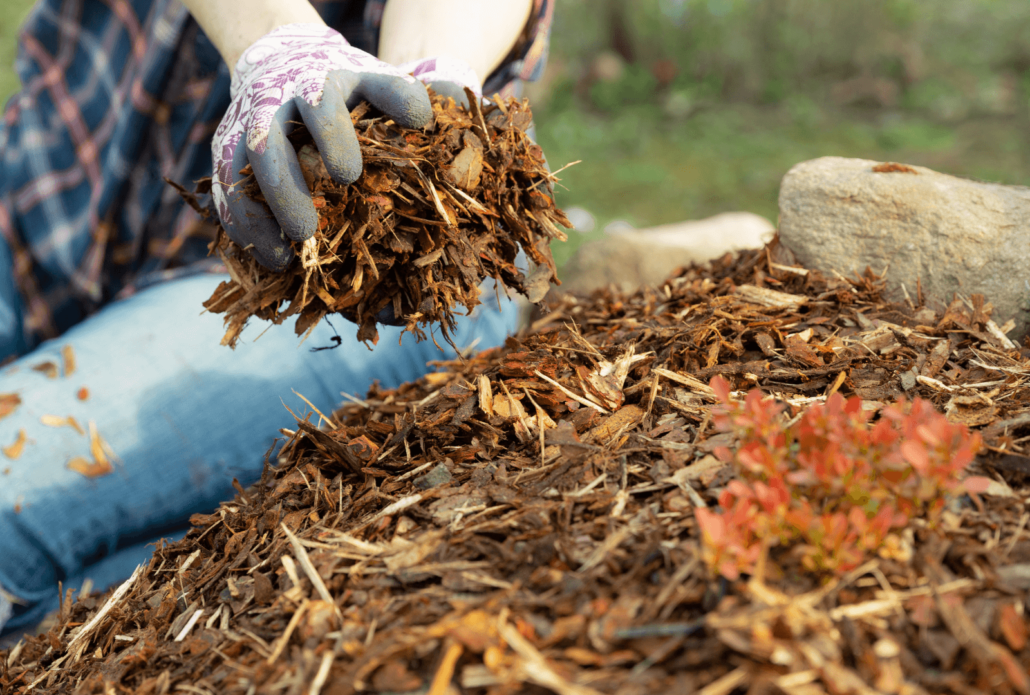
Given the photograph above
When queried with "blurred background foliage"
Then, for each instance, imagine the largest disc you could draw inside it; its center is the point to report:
(681, 109)
(12, 14)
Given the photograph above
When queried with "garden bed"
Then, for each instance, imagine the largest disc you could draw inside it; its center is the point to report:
(526, 520)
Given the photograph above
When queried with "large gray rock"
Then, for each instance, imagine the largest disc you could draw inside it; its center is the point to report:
(955, 235)
(636, 257)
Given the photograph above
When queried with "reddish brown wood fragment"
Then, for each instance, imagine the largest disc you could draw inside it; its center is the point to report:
(47, 368)
(90, 469)
(9, 402)
(68, 358)
(894, 168)
(15, 450)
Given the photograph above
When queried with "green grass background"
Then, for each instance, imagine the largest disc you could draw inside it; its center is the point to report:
(12, 14)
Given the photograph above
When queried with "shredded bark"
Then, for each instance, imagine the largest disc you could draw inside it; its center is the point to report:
(434, 213)
(522, 521)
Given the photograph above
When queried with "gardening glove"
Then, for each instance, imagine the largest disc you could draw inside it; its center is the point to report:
(307, 72)
(447, 76)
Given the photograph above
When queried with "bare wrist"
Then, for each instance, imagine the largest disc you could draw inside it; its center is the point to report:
(233, 31)
(480, 34)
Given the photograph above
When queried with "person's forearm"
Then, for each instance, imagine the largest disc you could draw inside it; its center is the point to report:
(233, 26)
(479, 32)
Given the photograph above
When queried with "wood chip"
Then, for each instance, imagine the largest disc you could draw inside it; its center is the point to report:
(68, 357)
(15, 450)
(9, 402)
(58, 421)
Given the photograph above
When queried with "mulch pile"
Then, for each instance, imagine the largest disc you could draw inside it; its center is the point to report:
(522, 522)
(434, 212)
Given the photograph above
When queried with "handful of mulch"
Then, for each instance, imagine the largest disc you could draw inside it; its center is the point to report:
(435, 212)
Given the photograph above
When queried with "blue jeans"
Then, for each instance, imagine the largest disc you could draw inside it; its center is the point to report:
(183, 414)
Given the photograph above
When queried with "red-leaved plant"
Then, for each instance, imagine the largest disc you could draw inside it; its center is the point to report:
(832, 486)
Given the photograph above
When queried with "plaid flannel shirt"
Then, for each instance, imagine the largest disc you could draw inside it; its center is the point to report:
(118, 95)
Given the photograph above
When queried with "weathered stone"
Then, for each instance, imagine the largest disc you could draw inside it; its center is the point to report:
(439, 475)
(952, 234)
(634, 258)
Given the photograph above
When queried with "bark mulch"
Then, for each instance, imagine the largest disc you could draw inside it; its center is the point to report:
(522, 522)
(434, 213)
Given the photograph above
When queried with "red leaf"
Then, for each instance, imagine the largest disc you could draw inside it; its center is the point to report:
(713, 528)
(976, 484)
(1012, 626)
(721, 388)
(915, 453)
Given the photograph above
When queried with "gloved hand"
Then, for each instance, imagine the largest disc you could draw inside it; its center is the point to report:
(310, 72)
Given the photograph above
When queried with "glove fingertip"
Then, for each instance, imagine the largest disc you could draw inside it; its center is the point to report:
(277, 261)
(344, 170)
(330, 125)
(274, 255)
(298, 218)
(416, 115)
(256, 232)
(405, 102)
(279, 176)
(452, 90)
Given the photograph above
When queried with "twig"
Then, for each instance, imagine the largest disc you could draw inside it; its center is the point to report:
(570, 394)
(189, 625)
(284, 639)
(80, 639)
(309, 569)
(534, 667)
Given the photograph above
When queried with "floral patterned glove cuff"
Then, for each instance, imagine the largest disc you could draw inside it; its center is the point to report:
(443, 69)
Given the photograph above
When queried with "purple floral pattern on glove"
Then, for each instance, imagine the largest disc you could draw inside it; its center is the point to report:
(443, 69)
(288, 62)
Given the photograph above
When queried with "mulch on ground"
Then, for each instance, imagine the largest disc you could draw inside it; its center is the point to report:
(522, 521)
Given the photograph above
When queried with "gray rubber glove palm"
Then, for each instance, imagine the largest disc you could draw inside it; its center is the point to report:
(307, 72)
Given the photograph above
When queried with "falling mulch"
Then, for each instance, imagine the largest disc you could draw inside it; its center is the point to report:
(434, 212)
(522, 521)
